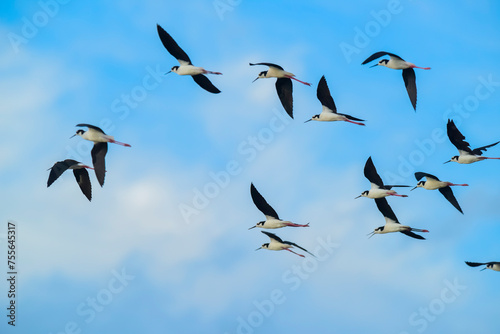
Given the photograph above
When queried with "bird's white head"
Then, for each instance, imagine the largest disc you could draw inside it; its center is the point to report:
(259, 224)
(378, 230)
(173, 69)
(382, 62)
(363, 194)
(420, 184)
(262, 75)
(314, 118)
(454, 159)
(264, 246)
(488, 266)
(79, 133)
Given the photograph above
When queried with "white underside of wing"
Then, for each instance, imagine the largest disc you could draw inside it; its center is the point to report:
(463, 153)
(327, 110)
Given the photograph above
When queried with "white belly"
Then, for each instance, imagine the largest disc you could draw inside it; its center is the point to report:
(397, 64)
(274, 72)
(394, 227)
(274, 245)
(328, 116)
(468, 159)
(189, 70)
(379, 193)
(434, 184)
(274, 223)
(96, 136)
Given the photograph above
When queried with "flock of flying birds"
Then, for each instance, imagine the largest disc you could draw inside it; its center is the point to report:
(284, 89)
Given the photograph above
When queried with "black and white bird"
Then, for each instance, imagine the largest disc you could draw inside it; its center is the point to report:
(489, 265)
(277, 244)
(397, 63)
(466, 155)
(100, 148)
(186, 67)
(272, 219)
(391, 222)
(284, 86)
(80, 172)
(378, 189)
(433, 183)
(329, 112)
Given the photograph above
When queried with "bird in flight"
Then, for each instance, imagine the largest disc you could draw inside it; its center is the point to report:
(277, 244)
(466, 155)
(329, 112)
(489, 265)
(391, 222)
(433, 183)
(79, 171)
(397, 63)
(100, 148)
(284, 86)
(186, 67)
(272, 218)
(378, 189)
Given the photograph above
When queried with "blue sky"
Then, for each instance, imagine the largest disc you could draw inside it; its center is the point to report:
(133, 260)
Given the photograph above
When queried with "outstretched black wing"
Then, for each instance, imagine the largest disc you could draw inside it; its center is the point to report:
(456, 137)
(352, 118)
(98, 154)
(261, 203)
(378, 55)
(411, 85)
(324, 96)
(420, 175)
(474, 264)
(83, 179)
(91, 127)
(268, 64)
(59, 168)
(295, 245)
(284, 88)
(273, 236)
(371, 173)
(171, 45)
(413, 235)
(477, 151)
(448, 194)
(385, 209)
(205, 83)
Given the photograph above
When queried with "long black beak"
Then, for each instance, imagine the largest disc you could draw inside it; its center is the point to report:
(168, 72)
(258, 248)
(373, 65)
(446, 162)
(371, 234)
(252, 227)
(414, 188)
(484, 268)
(72, 136)
(255, 79)
(308, 120)
(357, 197)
